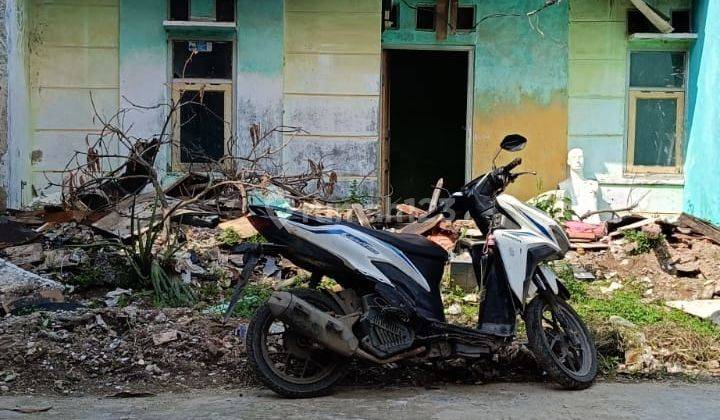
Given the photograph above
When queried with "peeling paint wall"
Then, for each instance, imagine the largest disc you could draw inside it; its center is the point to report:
(520, 82)
(598, 66)
(332, 87)
(15, 163)
(73, 59)
(702, 189)
(259, 63)
(143, 68)
(3, 104)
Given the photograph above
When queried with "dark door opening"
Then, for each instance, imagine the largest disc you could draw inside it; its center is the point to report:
(426, 117)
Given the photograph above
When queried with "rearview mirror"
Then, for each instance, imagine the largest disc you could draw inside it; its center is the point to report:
(513, 143)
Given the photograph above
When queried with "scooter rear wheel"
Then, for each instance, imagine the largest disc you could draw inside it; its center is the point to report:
(561, 343)
(290, 364)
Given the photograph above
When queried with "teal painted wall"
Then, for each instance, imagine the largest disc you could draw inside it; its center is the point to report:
(702, 189)
(259, 68)
(520, 81)
(143, 62)
(144, 58)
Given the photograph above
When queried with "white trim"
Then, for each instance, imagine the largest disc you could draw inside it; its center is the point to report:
(194, 24)
(679, 36)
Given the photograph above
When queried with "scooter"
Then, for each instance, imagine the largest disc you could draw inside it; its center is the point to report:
(390, 310)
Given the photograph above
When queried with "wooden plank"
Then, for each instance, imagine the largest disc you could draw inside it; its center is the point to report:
(452, 16)
(360, 214)
(411, 210)
(632, 226)
(419, 228)
(435, 195)
(441, 19)
(654, 18)
(700, 226)
(590, 245)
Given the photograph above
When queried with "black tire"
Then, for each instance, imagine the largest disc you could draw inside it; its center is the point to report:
(569, 377)
(255, 342)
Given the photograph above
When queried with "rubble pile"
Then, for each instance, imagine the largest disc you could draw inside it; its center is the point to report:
(111, 350)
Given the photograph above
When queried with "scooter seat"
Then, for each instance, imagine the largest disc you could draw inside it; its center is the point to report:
(406, 242)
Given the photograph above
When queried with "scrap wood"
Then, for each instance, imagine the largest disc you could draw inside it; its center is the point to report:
(653, 16)
(241, 226)
(14, 233)
(436, 194)
(142, 210)
(590, 245)
(359, 212)
(23, 255)
(419, 228)
(411, 210)
(115, 186)
(700, 226)
(631, 226)
(187, 185)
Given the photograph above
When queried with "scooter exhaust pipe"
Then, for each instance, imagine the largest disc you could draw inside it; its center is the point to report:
(332, 332)
(328, 330)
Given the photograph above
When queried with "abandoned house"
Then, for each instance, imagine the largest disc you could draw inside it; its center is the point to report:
(390, 94)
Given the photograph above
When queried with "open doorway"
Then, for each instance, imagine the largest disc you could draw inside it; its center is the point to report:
(425, 117)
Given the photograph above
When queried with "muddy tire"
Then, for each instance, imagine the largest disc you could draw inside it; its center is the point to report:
(277, 354)
(561, 343)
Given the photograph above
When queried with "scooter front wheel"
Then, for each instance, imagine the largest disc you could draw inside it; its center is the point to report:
(561, 343)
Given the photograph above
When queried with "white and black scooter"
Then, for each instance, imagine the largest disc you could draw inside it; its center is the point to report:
(390, 310)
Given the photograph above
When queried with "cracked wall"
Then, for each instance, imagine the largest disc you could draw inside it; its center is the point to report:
(3, 103)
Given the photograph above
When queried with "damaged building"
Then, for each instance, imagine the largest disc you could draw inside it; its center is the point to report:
(391, 95)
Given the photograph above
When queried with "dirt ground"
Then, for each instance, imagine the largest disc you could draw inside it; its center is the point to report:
(605, 400)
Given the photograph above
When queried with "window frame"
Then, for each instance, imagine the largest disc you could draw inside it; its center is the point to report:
(679, 96)
(474, 9)
(180, 86)
(633, 94)
(429, 6)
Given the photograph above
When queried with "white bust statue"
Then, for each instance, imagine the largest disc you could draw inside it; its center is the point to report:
(582, 192)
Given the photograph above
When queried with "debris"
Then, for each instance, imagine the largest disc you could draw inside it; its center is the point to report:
(14, 233)
(113, 298)
(27, 410)
(619, 321)
(410, 210)
(24, 255)
(585, 231)
(165, 337)
(702, 308)
(580, 273)
(700, 226)
(241, 226)
(139, 211)
(115, 187)
(20, 288)
(611, 288)
(360, 215)
(454, 309)
(131, 394)
(435, 195)
(418, 228)
(462, 272)
(631, 226)
(591, 245)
